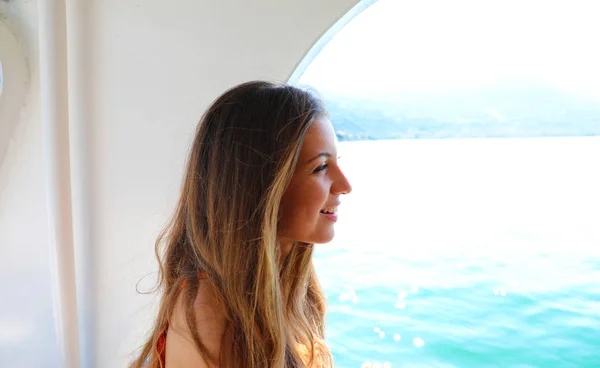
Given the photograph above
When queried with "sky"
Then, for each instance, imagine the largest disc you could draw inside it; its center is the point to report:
(398, 46)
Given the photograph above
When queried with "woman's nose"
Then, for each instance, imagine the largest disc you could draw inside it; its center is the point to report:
(342, 185)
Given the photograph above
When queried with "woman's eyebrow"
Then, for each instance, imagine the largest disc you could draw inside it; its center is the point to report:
(322, 154)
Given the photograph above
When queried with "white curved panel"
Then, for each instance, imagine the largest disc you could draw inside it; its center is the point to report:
(13, 85)
(326, 37)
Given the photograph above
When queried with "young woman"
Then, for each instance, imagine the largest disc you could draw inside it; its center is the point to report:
(262, 186)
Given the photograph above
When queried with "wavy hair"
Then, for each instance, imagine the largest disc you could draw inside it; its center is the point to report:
(243, 157)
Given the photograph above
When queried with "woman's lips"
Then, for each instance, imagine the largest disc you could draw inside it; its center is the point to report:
(330, 216)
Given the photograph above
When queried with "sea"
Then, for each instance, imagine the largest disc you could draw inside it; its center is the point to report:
(466, 253)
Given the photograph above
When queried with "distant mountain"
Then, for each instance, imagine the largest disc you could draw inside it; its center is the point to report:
(510, 109)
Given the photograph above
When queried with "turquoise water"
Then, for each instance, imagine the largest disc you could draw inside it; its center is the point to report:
(466, 253)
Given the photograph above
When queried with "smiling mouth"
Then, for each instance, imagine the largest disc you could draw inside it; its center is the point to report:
(330, 213)
(329, 210)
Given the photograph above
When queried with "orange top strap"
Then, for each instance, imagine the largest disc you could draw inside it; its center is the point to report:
(201, 275)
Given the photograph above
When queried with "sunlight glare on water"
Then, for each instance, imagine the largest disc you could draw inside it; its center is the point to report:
(466, 253)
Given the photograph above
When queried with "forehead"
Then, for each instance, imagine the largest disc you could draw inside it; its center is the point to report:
(320, 137)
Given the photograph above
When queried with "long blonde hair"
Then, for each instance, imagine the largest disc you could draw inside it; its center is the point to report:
(225, 225)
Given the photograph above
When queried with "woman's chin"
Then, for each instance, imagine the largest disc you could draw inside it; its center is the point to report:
(317, 237)
(325, 238)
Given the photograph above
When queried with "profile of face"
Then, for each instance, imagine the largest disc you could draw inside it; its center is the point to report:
(308, 209)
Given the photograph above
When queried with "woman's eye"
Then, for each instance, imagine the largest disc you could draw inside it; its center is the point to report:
(320, 168)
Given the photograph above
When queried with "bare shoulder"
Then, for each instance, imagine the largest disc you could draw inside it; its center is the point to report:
(211, 323)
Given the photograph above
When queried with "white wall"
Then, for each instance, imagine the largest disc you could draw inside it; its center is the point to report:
(26, 318)
(141, 74)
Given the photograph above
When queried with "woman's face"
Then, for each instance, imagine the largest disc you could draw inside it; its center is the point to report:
(309, 205)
